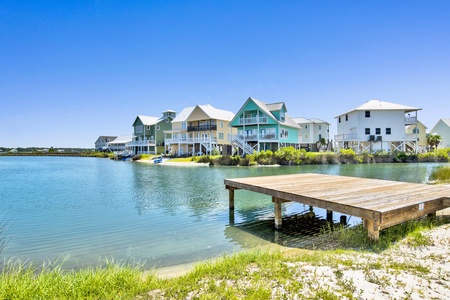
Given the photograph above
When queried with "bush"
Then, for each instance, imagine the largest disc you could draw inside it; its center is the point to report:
(204, 159)
(226, 160)
(347, 156)
(215, 152)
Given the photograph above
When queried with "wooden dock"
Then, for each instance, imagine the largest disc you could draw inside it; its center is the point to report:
(380, 203)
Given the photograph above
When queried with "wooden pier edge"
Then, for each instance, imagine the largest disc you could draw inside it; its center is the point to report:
(379, 208)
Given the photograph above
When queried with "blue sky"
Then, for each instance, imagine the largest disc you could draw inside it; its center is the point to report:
(73, 70)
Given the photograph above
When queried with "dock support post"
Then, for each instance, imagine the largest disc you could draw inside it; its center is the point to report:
(329, 216)
(343, 220)
(277, 207)
(231, 197)
(431, 216)
(372, 229)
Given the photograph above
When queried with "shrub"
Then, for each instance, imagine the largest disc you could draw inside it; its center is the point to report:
(204, 159)
(347, 156)
(137, 157)
(215, 152)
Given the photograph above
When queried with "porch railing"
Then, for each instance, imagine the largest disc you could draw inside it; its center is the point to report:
(191, 140)
(253, 120)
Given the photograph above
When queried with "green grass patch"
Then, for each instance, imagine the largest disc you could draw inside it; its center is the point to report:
(440, 175)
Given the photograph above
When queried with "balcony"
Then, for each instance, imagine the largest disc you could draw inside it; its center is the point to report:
(202, 128)
(140, 143)
(182, 140)
(255, 137)
(410, 120)
(253, 121)
(346, 137)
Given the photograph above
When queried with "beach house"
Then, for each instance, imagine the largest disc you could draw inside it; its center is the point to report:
(101, 144)
(148, 133)
(421, 131)
(199, 130)
(262, 126)
(312, 132)
(377, 126)
(120, 145)
(442, 128)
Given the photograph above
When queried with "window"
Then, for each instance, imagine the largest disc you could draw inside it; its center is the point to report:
(158, 128)
(416, 130)
(339, 119)
(346, 117)
(148, 127)
(320, 137)
(284, 134)
(367, 130)
(139, 129)
(388, 131)
(221, 124)
(220, 135)
(367, 113)
(183, 125)
(377, 130)
(282, 117)
(306, 126)
(320, 127)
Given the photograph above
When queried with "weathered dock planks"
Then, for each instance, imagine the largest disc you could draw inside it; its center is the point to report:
(381, 203)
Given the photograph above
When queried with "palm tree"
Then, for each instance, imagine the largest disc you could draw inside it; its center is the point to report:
(434, 140)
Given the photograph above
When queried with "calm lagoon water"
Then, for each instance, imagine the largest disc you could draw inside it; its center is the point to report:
(84, 210)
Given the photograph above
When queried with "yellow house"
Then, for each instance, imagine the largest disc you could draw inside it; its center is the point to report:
(421, 131)
(199, 130)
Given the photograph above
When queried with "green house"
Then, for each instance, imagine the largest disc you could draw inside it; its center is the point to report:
(263, 126)
(148, 133)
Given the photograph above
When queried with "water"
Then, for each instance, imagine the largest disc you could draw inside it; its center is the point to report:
(84, 210)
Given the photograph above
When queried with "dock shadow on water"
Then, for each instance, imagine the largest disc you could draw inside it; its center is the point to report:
(304, 229)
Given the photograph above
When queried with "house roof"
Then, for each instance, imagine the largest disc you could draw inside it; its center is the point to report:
(121, 140)
(217, 114)
(147, 121)
(301, 120)
(268, 108)
(183, 115)
(104, 137)
(382, 105)
(209, 110)
(446, 121)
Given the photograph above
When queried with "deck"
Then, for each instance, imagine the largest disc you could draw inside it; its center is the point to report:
(380, 203)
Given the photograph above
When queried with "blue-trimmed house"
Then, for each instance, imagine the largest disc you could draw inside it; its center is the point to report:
(263, 126)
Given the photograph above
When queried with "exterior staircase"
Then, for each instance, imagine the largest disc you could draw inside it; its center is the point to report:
(243, 145)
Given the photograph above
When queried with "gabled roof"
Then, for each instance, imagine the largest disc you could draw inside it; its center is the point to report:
(445, 121)
(382, 105)
(147, 121)
(105, 137)
(302, 120)
(267, 109)
(414, 125)
(209, 110)
(121, 140)
(183, 115)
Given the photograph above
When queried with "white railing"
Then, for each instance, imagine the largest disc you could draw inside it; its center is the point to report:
(253, 120)
(411, 137)
(345, 137)
(255, 137)
(238, 141)
(145, 142)
(191, 140)
(410, 120)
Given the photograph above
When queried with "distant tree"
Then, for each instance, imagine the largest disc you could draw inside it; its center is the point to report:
(433, 140)
(51, 150)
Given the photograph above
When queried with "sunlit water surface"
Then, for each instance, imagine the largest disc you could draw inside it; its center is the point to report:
(86, 210)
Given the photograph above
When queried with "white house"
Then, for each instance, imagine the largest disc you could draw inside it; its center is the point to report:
(377, 126)
(101, 144)
(442, 128)
(120, 145)
(312, 131)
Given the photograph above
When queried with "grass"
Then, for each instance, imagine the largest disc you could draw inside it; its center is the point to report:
(440, 175)
(255, 274)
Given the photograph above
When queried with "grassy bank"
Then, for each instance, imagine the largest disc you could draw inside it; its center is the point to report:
(440, 175)
(279, 274)
(292, 156)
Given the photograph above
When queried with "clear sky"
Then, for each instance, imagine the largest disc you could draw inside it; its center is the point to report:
(73, 70)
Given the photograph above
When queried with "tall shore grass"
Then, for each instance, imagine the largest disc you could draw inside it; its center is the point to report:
(255, 274)
(440, 175)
